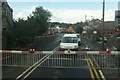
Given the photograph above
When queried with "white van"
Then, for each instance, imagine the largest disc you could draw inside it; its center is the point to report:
(69, 41)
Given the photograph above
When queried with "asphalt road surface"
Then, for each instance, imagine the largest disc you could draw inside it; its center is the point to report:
(51, 67)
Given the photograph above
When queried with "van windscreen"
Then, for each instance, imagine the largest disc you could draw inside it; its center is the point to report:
(69, 40)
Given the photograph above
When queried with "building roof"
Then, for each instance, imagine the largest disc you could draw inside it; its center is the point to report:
(5, 5)
(109, 25)
(70, 29)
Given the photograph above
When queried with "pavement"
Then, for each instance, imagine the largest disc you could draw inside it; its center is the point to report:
(110, 74)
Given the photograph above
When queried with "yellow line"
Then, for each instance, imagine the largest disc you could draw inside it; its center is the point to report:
(93, 78)
(96, 62)
(95, 70)
(15, 66)
(5, 57)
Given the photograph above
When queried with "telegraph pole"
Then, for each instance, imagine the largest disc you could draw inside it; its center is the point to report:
(103, 25)
(85, 17)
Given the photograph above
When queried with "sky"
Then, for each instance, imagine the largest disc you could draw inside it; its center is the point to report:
(67, 12)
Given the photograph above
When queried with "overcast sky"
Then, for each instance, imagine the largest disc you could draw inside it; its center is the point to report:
(60, 0)
(68, 12)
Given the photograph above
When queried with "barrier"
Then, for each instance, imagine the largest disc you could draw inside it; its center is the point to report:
(62, 52)
(98, 61)
(63, 59)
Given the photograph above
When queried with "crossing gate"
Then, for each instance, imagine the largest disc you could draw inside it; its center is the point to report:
(62, 59)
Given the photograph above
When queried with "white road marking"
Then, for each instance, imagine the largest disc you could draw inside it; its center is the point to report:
(55, 48)
(34, 66)
(102, 76)
(29, 68)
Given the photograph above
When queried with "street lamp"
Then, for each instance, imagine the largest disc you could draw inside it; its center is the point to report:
(103, 15)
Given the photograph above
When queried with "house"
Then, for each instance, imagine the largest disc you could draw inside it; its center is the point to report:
(109, 28)
(94, 23)
(7, 22)
(7, 16)
(117, 20)
(117, 32)
(86, 28)
(56, 29)
(70, 29)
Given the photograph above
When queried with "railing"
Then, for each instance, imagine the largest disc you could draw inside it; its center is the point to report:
(63, 59)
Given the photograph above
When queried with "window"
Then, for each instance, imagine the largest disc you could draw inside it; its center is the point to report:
(69, 39)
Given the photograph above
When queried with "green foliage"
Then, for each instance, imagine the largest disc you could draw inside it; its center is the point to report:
(78, 27)
(40, 18)
(65, 25)
(35, 25)
(81, 24)
(10, 36)
(90, 31)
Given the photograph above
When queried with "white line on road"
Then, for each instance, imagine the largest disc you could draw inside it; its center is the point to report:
(55, 48)
(102, 76)
(30, 68)
(34, 65)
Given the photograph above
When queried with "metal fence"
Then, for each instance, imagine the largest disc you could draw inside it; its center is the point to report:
(62, 59)
(20, 59)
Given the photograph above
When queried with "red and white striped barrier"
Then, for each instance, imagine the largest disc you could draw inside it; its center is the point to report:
(62, 52)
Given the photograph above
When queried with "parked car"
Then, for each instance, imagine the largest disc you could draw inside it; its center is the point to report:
(100, 39)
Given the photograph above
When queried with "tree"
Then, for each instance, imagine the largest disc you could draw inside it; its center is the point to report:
(79, 27)
(40, 17)
(36, 24)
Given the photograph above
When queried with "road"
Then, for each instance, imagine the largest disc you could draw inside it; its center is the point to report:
(51, 67)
